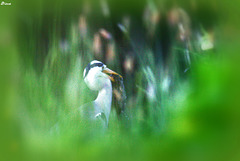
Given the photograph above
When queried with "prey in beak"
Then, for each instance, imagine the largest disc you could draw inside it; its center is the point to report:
(111, 74)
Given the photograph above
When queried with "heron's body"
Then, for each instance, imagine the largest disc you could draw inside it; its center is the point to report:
(100, 108)
(96, 79)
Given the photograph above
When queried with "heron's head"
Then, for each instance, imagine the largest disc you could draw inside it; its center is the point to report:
(96, 75)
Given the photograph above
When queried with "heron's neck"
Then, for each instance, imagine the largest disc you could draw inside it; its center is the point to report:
(104, 98)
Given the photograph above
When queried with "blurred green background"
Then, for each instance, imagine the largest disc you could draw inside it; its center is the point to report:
(45, 45)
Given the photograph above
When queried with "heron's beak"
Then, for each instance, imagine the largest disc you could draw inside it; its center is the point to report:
(111, 74)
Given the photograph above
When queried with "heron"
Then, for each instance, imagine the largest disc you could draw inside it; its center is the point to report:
(98, 78)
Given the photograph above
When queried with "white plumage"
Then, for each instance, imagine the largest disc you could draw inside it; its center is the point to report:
(96, 78)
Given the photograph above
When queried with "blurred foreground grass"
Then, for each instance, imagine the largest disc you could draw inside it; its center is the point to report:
(38, 119)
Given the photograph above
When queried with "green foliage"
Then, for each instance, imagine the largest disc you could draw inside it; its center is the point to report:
(197, 119)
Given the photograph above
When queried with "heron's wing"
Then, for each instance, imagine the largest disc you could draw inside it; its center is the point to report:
(91, 114)
(87, 111)
(102, 117)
